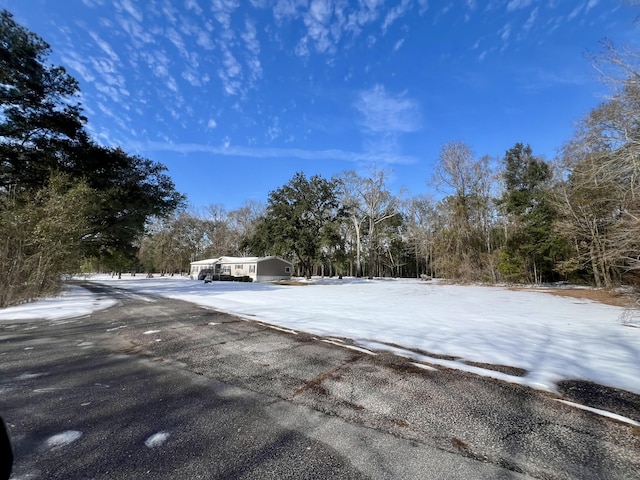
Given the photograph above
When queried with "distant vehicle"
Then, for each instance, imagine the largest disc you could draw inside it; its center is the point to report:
(205, 272)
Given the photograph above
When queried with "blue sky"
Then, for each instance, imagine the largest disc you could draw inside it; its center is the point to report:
(235, 96)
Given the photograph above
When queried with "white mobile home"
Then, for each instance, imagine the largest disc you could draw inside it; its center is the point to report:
(202, 266)
(259, 269)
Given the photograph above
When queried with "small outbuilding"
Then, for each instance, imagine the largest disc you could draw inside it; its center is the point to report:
(258, 269)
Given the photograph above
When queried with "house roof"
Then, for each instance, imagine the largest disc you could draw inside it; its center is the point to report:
(249, 259)
(239, 260)
(210, 261)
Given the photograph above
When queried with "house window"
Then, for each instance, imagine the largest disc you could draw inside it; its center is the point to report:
(287, 269)
(238, 267)
(252, 269)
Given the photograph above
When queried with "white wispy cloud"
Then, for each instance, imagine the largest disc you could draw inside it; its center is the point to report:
(109, 91)
(302, 48)
(395, 13)
(518, 4)
(252, 45)
(317, 19)
(194, 78)
(230, 75)
(128, 7)
(321, 10)
(222, 10)
(368, 12)
(172, 84)
(188, 25)
(105, 109)
(76, 62)
(328, 22)
(505, 32)
(531, 20)
(158, 61)
(226, 149)
(382, 112)
(93, 3)
(139, 35)
(108, 71)
(193, 5)
(169, 13)
(104, 46)
(536, 80)
(575, 12)
(285, 10)
(204, 40)
(274, 130)
(176, 39)
(591, 4)
(250, 37)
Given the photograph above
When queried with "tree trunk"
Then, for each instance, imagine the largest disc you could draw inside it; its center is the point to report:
(595, 268)
(356, 225)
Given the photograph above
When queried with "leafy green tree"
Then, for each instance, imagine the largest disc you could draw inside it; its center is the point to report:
(130, 190)
(41, 237)
(298, 219)
(42, 139)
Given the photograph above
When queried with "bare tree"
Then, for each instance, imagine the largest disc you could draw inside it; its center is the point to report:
(367, 202)
(466, 211)
(422, 227)
(600, 196)
(242, 222)
(350, 186)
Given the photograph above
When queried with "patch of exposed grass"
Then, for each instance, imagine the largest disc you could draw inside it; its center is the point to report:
(607, 297)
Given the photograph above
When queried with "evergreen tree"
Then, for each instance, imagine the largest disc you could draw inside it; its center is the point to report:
(532, 249)
(42, 140)
(41, 117)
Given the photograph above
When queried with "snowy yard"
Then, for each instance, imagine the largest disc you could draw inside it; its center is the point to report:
(552, 338)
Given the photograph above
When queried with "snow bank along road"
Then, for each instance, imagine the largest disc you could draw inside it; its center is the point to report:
(166, 389)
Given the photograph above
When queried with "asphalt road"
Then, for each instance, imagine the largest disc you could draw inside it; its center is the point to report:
(158, 388)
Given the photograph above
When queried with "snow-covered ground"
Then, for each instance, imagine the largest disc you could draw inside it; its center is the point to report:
(552, 338)
(74, 301)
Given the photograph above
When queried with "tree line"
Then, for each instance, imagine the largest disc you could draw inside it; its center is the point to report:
(517, 219)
